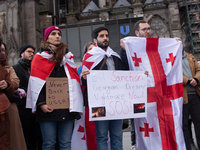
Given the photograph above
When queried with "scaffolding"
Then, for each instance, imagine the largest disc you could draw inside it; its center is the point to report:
(191, 23)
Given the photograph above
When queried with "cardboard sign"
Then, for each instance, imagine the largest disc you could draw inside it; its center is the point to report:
(117, 94)
(57, 93)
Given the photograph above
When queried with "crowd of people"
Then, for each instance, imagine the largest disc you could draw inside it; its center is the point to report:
(31, 124)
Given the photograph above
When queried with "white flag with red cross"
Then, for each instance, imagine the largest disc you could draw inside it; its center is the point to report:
(78, 140)
(84, 134)
(162, 58)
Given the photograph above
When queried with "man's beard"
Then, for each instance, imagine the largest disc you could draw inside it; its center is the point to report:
(144, 35)
(27, 58)
(103, 46)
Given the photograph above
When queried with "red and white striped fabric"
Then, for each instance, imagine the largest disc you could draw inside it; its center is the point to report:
(95, 56)
(78, 137)
(162, 58)
(41, 69)
(84, 134)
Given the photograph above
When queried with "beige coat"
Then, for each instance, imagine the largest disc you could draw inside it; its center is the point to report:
(5, 124)
(13, 77)
(17, 141)
(195, 69)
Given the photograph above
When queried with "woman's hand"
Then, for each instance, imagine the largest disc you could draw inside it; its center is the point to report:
(84, 74)
(3, 84)
(45, 108)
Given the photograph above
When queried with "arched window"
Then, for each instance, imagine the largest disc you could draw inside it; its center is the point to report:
(159, 28)
(62, 8)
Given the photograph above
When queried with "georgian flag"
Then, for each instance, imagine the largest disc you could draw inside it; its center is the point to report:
(78, 140)
(95, 56)
(41, 69)
(162, 58)
(84, 133)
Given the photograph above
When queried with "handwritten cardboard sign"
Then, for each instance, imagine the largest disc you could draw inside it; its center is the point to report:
(57, 93)
(117, 94)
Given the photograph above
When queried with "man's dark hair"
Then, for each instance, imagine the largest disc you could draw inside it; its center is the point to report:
(96, 31)
(136, 26)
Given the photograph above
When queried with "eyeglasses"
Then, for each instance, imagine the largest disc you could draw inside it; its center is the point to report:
(30, 52)
(146, 29)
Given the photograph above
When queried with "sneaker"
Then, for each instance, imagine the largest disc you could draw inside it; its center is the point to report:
(133, 147)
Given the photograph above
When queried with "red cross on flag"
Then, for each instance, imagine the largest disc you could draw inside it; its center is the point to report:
(162, 58)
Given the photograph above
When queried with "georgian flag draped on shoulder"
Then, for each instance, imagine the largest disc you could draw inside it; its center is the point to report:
(41, 69)
(162, 58)
(95, 56)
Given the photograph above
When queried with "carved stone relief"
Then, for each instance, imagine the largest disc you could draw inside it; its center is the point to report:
(158, 27)
(13, 51)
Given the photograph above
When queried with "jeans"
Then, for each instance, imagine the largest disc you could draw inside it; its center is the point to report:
(115, 130)
(51, 129)
(191, 108)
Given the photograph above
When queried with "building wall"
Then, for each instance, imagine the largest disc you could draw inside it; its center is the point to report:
(24, 22)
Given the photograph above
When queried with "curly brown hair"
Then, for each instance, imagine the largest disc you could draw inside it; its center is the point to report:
(58, 54)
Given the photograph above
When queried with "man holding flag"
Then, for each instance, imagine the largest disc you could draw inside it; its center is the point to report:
(142, 29)
(162, 128)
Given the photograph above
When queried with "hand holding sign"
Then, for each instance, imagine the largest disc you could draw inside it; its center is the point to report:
(45, 108)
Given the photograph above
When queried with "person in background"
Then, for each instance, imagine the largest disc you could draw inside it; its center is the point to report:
(28, 119)
(56, 62)
(86, 48)
(6, 90)
(17, 140)
(191, 93)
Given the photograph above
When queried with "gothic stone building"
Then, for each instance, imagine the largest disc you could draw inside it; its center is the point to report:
(24, 21)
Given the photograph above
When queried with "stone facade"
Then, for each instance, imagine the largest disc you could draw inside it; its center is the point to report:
(164, 18)
(24, 21)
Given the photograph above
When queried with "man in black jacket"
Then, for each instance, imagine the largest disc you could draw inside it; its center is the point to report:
(28, 120)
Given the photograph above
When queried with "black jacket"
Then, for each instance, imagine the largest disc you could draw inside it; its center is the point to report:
(124, 59)
(23, 72)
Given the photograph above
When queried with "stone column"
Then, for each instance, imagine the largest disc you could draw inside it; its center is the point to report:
(70, 6)
(112, 3)
(71, 18)
(174, 19)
